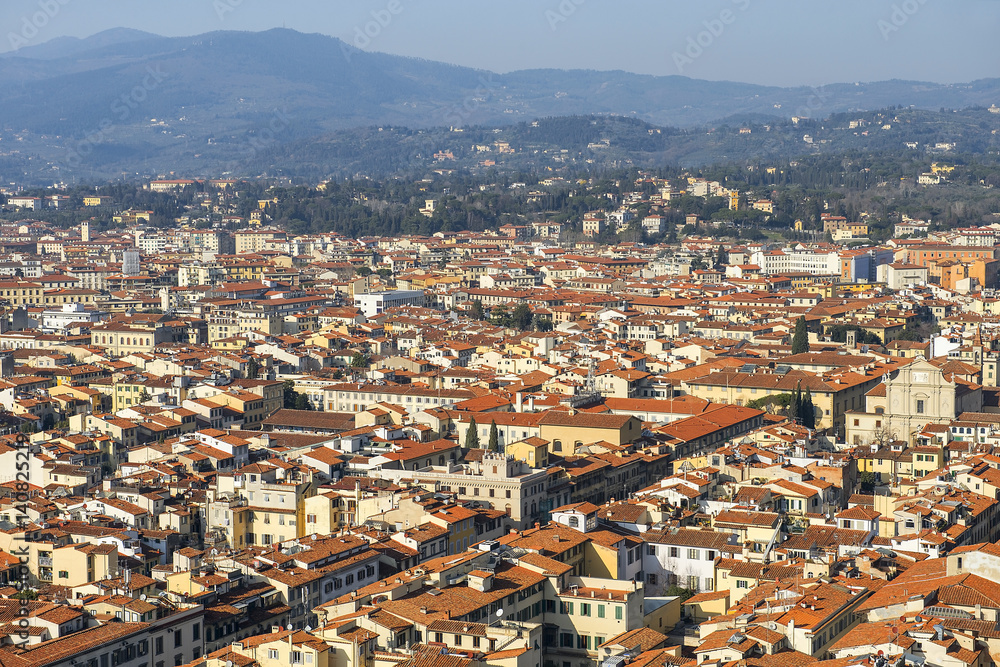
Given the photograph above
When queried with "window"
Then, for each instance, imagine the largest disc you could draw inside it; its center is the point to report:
(742, 583)
(63, 574)
(600, 607)
(584, 609)
(158, 644)
(567, 608)
(692, 554)
(675, 552)
(920, 406)
(618, 613)
(178, 638)
(272, 654)
(196, 631)
(566, 640)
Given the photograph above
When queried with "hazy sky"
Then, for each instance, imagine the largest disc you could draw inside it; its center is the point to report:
(777, 42)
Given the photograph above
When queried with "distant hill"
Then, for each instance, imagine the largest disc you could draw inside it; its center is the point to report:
(125, 100)
(67, 47)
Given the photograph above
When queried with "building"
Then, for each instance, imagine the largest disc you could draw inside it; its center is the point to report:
(375, 303)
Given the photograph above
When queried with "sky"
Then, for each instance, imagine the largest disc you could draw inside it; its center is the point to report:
(769, 42)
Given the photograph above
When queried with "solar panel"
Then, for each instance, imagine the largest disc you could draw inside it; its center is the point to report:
(782, 370)
(747, 368)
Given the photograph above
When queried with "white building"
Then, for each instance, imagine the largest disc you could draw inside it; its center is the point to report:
(684, 557)
(58, 320)
(373, 303)
(798, 261)
(32, 203)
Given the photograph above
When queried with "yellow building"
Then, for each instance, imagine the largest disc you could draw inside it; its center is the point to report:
(461, 525)
(77, 564)
(20, 293)
(569, 430)
(534, 451)
(131, 217)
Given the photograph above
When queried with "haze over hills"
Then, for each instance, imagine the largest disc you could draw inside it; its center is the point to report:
(158, 103)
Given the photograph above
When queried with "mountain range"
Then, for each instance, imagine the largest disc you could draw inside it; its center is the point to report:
(126, 99)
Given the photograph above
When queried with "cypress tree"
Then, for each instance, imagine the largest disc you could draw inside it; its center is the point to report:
(800, 339)
(472, 435)
(808, 410)
(795, 407)
(494, 443)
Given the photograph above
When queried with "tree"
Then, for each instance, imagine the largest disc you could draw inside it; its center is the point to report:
(26, 594)
(542, 324)
(253, 369)
(808, 415)
(685, 594)
(472, 435)
(360, 360)
(362, 271)
(288, 389)
(800, 339)
(883, 437)
(868, 481)
(520, 319)
(477, 312)
(494, 442)
(795, 407)
(500, 317)
(722, 258)
(770, 403)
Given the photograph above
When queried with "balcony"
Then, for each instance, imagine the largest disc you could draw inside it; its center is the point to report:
(45, 561)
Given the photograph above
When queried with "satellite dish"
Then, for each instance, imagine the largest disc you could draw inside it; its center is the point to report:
(215, 552)
(143, 597)
(499, 613)
(309, 628)
(229, 663)
(288, 627)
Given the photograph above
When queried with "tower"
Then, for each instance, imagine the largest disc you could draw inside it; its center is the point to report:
(85, 232)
